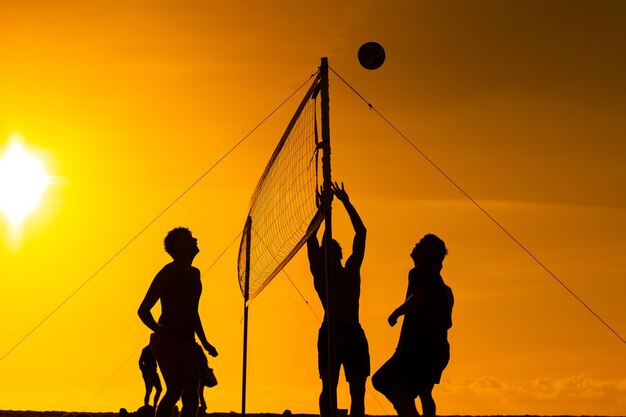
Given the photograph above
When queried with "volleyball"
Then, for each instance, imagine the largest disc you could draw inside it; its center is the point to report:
(371, 55)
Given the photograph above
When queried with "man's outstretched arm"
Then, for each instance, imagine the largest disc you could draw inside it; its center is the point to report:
(312, 244)
(411, 303)
(360, 232)
(202, 337)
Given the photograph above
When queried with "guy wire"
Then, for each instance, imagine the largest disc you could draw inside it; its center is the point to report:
(484, 211)
(158, 216)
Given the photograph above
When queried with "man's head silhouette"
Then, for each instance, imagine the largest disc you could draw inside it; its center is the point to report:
(180, 242)
(429, 251)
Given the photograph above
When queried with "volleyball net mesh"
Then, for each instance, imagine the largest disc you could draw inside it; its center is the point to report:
(284, 202)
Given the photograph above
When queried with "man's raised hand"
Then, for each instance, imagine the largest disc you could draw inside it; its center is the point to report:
(340, 193)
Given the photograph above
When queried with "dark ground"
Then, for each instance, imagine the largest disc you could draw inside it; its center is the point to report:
(10, 413)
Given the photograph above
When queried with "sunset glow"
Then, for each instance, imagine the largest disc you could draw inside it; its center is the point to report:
(139, 116)
(23, 180)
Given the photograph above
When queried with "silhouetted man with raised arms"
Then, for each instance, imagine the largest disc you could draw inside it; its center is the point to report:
(178, 287)
(423, 351)
(352, 350)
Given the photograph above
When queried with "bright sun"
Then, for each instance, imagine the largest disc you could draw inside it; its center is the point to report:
(23, 180)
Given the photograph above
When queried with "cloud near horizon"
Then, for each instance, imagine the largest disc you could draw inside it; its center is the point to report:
(586, 395)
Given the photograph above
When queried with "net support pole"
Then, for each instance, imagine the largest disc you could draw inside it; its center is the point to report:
(327, 198)
(246, 297)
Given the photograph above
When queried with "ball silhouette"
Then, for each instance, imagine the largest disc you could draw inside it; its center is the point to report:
(371, 55)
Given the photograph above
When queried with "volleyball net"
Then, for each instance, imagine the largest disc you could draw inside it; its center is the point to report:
(285, 201)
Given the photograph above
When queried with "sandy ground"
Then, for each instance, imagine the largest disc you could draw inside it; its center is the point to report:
(11, 413)
(19, 413)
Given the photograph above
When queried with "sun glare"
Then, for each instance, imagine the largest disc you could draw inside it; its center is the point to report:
(23, 180)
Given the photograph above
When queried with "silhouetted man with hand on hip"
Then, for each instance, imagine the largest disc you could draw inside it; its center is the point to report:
(352, 350)
(177, 285)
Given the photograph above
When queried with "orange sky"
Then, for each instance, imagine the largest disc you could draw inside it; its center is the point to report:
(129, 102)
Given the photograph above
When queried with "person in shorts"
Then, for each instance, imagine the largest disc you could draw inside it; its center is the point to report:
(148, 367)
(351, 348)
(178, 287)
(423, 351)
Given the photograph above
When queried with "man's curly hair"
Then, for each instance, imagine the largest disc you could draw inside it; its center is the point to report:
(173, 236)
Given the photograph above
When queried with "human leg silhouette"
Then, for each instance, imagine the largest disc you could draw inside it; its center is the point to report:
(384, 382)
(357, 397)
(326, 387)
(157, 393)
(429, 409)
(202, 400)
(402, 403)
(173, 378)
(190, 398)
(148, 385)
